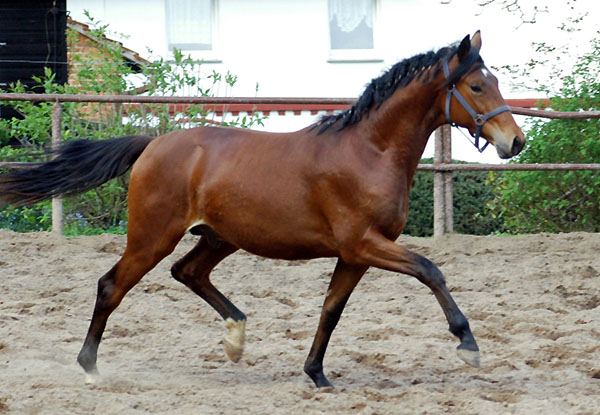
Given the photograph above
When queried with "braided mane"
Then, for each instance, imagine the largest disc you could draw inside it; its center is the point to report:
(425, 65)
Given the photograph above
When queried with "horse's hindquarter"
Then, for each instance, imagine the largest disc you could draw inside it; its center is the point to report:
(159, 187)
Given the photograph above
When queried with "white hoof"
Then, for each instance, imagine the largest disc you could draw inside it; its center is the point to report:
(234, 341)
(92, 378)
(470, 357)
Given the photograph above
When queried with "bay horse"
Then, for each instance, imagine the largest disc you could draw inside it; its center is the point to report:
(338, 188)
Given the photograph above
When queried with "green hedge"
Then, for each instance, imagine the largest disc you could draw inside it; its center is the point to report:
(473, 191)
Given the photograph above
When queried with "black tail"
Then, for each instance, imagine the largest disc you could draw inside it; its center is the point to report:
(78, 166)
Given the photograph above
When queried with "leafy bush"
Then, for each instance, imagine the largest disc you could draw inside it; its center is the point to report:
(105, 72)
(558, 201)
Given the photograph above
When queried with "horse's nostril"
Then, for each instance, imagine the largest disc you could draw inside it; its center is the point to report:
(517, 146)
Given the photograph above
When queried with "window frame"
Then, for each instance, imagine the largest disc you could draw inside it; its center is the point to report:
(206, 55)
(356, 55)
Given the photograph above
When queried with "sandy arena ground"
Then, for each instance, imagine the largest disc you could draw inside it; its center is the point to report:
(533, 303)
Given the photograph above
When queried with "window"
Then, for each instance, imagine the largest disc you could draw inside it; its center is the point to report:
(351, 34)
(191, 25)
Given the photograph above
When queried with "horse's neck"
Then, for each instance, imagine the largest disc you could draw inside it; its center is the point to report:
(403, 124)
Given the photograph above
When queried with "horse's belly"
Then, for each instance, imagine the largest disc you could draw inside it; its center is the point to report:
(282, 242)
(287, 251)
(272, 232)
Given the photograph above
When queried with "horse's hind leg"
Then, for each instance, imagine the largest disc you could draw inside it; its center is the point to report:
(139, 258)
(193, 270)
(344, 279)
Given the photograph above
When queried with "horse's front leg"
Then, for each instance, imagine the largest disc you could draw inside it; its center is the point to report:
(378, 251)
(344, 279)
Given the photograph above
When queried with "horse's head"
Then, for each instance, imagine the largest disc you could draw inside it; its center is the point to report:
(473, 100)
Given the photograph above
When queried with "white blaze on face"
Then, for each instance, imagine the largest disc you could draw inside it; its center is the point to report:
(485, 73)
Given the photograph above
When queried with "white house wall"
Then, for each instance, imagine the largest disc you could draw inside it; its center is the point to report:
(283, 44)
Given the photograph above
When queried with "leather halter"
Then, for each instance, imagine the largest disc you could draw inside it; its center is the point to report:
(478, 118)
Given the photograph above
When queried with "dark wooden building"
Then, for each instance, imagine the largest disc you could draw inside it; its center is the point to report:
(32, 36)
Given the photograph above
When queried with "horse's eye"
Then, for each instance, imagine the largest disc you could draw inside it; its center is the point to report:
(476, 88)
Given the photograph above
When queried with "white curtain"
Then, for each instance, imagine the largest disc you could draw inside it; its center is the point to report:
(190, 23)
(349, 13)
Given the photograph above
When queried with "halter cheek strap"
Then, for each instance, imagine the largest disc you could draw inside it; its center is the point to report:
(478, 118)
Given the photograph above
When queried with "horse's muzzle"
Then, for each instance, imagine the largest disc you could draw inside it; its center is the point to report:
(509, 149)
(517, 145)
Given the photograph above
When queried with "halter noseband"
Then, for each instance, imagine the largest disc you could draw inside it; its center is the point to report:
(478, 118)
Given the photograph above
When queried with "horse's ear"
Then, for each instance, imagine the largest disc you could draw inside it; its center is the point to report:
(476, 40)
(464, 48)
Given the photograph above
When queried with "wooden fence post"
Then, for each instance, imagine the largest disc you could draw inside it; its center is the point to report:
(448, 181)
(443, 210)
(57, 207)
(439, 227)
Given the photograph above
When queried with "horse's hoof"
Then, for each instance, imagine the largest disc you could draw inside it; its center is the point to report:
(324, 385)
(91, 378)
(470, 357)
(233, 352)
(234, 341)
(318, 377)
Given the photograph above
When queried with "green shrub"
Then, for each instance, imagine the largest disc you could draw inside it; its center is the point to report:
(472, 191)
(543, 201)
